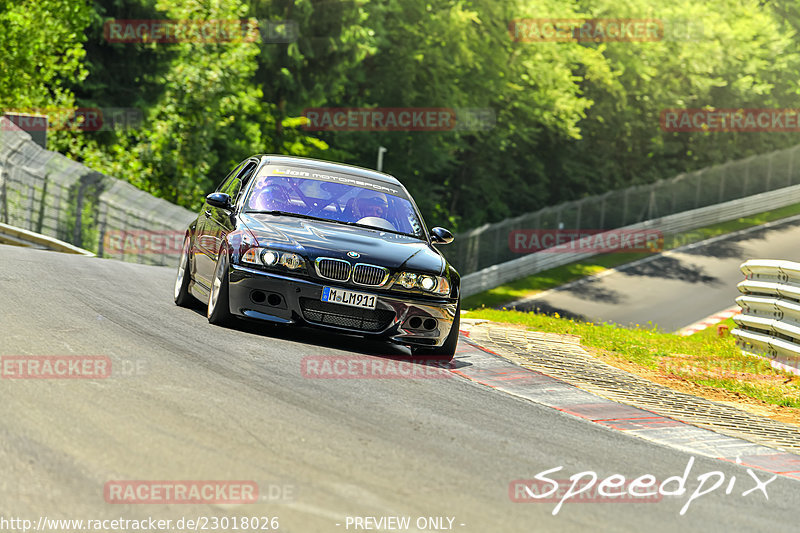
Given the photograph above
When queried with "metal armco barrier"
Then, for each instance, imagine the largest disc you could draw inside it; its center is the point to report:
(46, 193)
(481, 248)
(770, 321)
(529, 264)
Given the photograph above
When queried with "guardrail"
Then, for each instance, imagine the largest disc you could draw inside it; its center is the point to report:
(533, 263)
(480, 248)
(23, 237)
(46, 193)
(769, 324)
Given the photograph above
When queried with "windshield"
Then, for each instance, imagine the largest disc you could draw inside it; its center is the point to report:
(335, 202)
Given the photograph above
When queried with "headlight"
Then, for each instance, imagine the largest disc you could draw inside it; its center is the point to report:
(434, 284)
(407, 280)
(292, 261)
(427, 283)
(271, 258)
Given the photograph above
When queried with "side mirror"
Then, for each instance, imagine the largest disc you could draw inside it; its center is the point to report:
(220, 200)
(441, 236)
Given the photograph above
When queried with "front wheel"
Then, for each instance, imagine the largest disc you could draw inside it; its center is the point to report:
(446, 351)
(182, 296)
(219, 312)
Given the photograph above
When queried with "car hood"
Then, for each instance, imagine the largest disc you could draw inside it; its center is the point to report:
(314, 238)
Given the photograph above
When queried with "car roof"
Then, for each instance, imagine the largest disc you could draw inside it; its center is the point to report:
(329, 166)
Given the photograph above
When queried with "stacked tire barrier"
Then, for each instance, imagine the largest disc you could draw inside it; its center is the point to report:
(769, 324)
(44, 192)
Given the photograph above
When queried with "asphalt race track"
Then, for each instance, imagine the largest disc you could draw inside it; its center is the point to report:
(196, 402)
(675, 289)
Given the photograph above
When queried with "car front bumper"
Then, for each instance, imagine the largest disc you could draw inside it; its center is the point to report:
(281, 298)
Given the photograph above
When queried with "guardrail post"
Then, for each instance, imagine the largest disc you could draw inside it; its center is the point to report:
(625, 207)
(697, 188)
(746, 179)
(29, 211)
(4, 174)
(42, 205)
(769, 171)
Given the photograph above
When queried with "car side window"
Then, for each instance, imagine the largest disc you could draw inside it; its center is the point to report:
(226, 183)
(243, 177)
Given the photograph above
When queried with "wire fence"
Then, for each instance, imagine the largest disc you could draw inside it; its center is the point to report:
(45, 192)
(489, 245)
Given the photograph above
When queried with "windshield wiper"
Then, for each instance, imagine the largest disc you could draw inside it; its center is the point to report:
(287, 214)
(376, 228)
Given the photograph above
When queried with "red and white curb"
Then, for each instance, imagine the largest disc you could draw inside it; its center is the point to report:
(710, 321)
(489, 369)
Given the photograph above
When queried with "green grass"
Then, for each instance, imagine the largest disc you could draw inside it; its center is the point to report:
(703, 358)
(554, 277)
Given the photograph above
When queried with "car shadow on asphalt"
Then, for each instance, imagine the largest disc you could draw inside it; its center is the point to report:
(330, 339)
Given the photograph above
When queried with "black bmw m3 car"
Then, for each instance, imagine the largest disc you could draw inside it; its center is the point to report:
(291, 240)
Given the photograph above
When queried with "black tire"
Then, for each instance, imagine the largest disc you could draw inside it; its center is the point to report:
(446, 351)
(182, 296)
(219, 312)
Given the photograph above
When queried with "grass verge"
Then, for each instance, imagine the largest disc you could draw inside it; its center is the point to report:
(706, 364)
(554, 277)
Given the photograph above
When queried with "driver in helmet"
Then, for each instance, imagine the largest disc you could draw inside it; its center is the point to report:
(370, 204)
(270, 195)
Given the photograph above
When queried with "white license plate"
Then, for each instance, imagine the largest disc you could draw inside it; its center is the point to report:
(353, 299)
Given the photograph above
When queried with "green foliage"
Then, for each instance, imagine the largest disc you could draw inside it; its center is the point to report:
(572, 118)
(40, 47)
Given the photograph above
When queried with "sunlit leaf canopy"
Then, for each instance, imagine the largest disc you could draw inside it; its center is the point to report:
(569, 119)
